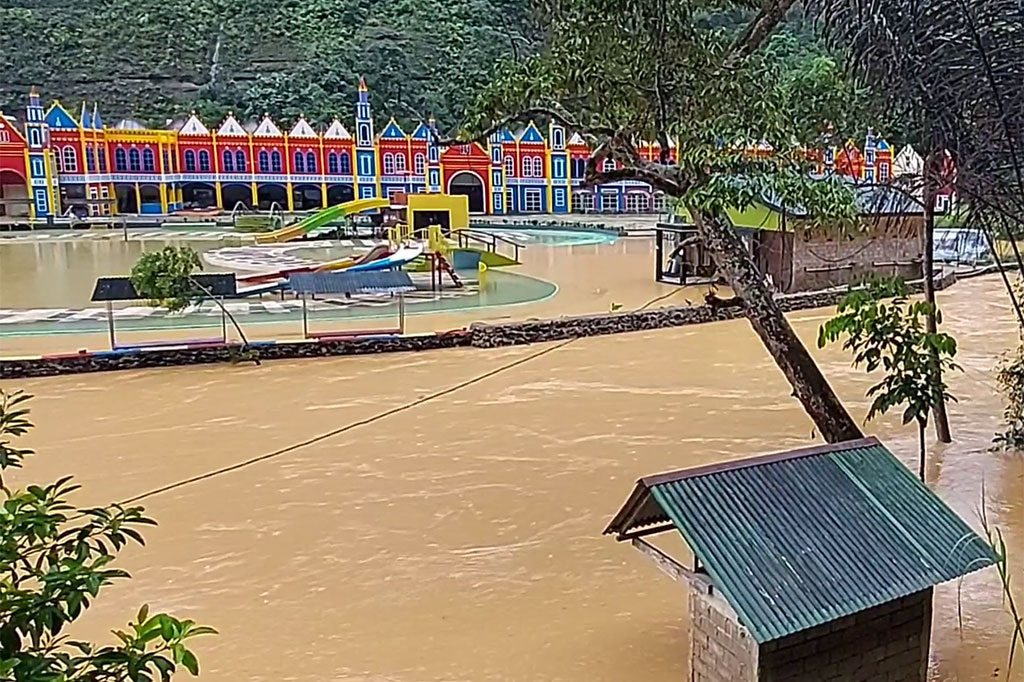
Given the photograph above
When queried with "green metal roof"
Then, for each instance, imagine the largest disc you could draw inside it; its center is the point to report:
(798, 539)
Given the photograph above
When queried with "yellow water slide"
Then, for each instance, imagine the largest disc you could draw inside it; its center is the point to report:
(319, 219)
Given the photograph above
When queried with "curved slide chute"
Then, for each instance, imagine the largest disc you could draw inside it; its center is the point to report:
(319, 219)
(376, 253)
(402, 256)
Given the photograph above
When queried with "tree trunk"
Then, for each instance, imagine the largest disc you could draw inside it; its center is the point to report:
(809, 385)
(921, 450)
(931, 175)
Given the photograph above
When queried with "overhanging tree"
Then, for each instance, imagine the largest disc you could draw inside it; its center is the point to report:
(620, 71)
(55, 559)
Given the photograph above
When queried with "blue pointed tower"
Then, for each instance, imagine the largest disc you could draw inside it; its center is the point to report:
(40, 160)
(497, 174)
(433, 159)
(870, 146)
(559, 180)
(366, 155)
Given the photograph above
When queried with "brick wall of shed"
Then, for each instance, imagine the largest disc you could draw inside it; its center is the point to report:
(888, 643)
(721, 650)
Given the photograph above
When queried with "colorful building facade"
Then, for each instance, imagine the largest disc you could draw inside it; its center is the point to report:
(53, 162)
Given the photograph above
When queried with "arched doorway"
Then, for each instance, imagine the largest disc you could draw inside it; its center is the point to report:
(471, 185)
(307, 197)
(268, 195)
(198, 195)
(127, 201)
(150, 195)
(14, 199)
(232, 195)
(340, 194)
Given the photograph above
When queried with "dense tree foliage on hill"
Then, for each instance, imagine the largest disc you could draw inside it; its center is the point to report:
(157, 59)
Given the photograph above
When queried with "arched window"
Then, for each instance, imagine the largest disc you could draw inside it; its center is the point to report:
(389, 164)
(419, 163)
(300, 163)
(399, 163)
(70, 160)
(311, 162)
(346, 163)
(608, 165)
(190, 161)
(90, 159)
(148, 161)
(204, 161)
(240, 163)
(229, 162)
(275, 161)
(103, 160)
(527, 167)
(134, 160)
(579, 169)
(538, 167)
(167, 162)
(264, 161)
(332, 163)
(510, 167)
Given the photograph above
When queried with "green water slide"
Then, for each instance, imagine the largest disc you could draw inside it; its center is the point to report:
(319, 219)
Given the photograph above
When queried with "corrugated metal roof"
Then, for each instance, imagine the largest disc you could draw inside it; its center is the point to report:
(798, 539)
(122, 289)
(391, 282)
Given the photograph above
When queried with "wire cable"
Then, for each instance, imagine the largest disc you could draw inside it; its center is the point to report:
(368, 420)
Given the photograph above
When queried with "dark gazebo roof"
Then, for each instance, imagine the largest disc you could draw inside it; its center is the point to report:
(122, 289)
(798, 539)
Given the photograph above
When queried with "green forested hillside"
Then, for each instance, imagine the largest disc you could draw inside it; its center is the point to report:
(156, 59)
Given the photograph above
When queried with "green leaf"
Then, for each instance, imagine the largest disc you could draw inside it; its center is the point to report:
(188, 660)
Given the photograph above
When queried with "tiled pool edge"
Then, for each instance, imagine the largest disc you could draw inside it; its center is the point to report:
(478, 335)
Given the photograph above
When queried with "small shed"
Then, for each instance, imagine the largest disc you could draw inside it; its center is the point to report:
(325, 284)
(814, 565)
(110, 290)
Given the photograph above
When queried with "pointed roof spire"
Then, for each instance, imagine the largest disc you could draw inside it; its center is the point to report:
(337, 131)
(97, 121)
(362, 84)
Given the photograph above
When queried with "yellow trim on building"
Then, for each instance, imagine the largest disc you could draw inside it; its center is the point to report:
(550, 181)
(163, 198)
(29, 188)
(51, 186)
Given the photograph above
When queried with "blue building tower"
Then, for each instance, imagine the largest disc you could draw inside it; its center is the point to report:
(433, 160)
(561, 190)
(42, 177)
(366, 155)
(870, 146)
(497, 174)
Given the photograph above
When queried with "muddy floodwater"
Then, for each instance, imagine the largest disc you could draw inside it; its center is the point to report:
(459, 540)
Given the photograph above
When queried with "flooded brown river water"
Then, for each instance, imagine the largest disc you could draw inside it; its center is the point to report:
(459, 540)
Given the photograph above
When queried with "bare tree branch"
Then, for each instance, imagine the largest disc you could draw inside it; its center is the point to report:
(758, 30)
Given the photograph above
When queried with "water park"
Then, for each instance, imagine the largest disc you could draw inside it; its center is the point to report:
(435, 406)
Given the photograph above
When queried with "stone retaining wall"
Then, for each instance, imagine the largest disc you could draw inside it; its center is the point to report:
(478, 335)
(516, 333)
